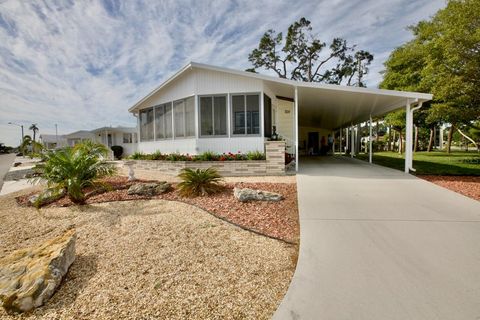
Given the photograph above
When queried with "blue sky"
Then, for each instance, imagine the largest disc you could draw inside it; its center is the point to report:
(81, 64)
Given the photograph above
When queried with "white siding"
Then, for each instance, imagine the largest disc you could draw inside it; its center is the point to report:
(168, 146)
(182, 87)
(234, 144)
(212, 82)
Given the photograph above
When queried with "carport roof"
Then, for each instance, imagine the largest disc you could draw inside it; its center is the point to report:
(320, 105)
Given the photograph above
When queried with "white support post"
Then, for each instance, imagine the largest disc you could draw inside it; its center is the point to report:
(370, 151)
(340, 141)
(296, 130)
(352, 141)
(408, 137)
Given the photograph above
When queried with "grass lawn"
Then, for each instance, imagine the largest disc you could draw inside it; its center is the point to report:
(431, 163)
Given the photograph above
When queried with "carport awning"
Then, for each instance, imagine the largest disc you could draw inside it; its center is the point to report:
(332, 106)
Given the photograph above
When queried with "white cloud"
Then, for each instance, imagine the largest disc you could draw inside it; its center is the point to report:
(81, 64)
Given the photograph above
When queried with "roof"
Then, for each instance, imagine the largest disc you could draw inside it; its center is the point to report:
(292, 83)
(79, 134)
(116, 129)
(50, 138)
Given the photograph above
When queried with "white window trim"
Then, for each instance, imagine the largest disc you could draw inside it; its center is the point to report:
(184, 118)
(212, 96)
(232, 124)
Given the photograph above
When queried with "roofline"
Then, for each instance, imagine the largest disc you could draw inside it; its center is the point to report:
(300, 84)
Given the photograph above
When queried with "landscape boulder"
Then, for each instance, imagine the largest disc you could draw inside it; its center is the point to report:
(149, 189)
(29, 277)
(45, 197)
(247, 194)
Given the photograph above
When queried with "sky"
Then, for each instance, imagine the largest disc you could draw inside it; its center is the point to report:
(81, 64)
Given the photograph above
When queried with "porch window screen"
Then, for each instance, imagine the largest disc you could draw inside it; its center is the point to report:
(213, 116)
(146, 124)
(184, 111)
(246, 114)
(163, 121)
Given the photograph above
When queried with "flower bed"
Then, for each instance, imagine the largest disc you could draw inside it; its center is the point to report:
(205, 156)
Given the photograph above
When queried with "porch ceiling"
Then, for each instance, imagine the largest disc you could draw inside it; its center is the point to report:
(332, 107)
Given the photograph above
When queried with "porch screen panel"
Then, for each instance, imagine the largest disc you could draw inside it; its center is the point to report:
(220, 115)
(178, 108)
(146, 124)
(160, 122)
(238, 114)
(206, 119)
(253, 114)
(168, 121)
(190, 117)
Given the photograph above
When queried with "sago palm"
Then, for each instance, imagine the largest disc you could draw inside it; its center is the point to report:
(199, 182)
(74, 169)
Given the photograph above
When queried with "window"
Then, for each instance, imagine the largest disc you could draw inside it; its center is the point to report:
(184, 115)
(213, 116)
(163, 121)
(127, 138)
(246, 114)
(146, 124)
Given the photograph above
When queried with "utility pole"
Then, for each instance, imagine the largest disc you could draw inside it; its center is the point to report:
(18, 125)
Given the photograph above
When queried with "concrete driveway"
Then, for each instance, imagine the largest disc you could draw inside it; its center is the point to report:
(379, 244)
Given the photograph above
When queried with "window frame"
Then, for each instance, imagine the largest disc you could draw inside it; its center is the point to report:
(232, 120)
(146, 110)
(212, 96)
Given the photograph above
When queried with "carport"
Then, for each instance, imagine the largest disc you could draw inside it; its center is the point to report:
(342, 109)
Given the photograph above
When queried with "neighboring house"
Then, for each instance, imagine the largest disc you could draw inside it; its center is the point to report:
(207, 108)
(52, 141)
(79, 136)
(126, 137)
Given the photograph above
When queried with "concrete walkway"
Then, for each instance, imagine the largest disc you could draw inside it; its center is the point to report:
(379, 244)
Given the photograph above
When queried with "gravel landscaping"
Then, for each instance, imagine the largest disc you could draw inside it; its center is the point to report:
(153, 259)
(467, 185)
(273, 219)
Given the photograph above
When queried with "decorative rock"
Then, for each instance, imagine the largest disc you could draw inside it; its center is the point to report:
(45, 197)
(29, 277)
(247, 194)
(149, 189)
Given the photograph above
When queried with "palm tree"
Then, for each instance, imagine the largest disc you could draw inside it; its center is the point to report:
(35, 129)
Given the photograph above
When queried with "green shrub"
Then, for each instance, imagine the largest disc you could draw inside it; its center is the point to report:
(117, 151)
(138, 156)
(73, 169)
(255, 155)
(157, 155)
(176, 157)
(199, 182)
(207, 156)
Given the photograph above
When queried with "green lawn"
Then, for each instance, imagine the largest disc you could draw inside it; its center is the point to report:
(434, 163)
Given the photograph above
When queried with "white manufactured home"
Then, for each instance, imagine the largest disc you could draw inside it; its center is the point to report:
(207, 108)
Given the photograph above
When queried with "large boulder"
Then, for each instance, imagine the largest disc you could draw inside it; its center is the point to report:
(247, 194)
(29, 277)
(149, 189)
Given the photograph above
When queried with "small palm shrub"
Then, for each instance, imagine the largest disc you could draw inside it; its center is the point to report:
(199, 182)
(137, 156)
(74, 169)
(207, 156)
(255, 155)
(157, 155)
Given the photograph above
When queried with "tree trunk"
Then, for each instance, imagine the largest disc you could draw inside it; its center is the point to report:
(400, 143)
(415, 145)
(449, 137)
(430, 141)
(389, 144)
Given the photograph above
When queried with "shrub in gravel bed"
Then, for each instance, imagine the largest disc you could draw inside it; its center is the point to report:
(199, 182)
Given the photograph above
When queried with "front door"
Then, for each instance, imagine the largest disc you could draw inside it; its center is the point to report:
(109, 140)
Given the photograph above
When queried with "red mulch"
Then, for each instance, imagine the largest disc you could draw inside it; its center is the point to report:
(274, 219)
(467, 185)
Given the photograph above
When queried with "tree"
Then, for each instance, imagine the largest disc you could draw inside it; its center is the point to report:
(26, 143)
(73, 169)
(299, 57)
(444, 59)
(396, 120)
(35, 129)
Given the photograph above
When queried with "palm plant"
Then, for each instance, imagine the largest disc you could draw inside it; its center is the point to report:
(199, 182)
(35, 129)
(74, 169)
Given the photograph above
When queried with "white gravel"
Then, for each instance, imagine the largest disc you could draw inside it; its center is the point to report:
(153, 259)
